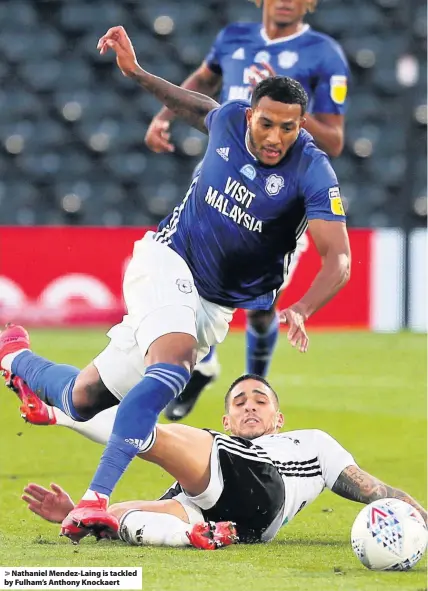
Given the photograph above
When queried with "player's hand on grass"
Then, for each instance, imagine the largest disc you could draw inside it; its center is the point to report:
(295, 319)
(259, 74)
(52, 505)
(158, 135)
(117, 39)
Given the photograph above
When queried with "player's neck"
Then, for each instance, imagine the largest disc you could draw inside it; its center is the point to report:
(248, 144)
(273, 31)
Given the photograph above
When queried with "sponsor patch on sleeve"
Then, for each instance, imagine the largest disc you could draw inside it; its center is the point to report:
(336, 204)
(338, 89)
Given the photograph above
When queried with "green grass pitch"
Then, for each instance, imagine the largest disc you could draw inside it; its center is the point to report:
(367, 390)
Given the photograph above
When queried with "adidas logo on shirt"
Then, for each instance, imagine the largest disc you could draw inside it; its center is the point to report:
(224, 153)
(239, 54)
(138, 443)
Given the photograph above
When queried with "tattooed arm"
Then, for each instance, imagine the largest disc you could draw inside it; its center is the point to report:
(191, 106)
(357, 485)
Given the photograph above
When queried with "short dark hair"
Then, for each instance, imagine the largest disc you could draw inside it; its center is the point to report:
(245, 377)
(282, 89)
(311, 4)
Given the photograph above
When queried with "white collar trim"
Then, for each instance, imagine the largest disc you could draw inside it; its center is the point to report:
(268, 41)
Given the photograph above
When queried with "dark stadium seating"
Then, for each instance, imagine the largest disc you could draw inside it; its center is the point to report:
(72, 127)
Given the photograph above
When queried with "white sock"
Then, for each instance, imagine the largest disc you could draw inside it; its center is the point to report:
(6, 362)
(145, 528)
(209, 368)
(97, 429)
(91, 495)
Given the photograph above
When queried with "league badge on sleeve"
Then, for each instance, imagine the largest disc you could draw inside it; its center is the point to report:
(338, 89)
(336, 204)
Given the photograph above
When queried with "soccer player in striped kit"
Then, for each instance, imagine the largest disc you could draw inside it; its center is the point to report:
(243, 486)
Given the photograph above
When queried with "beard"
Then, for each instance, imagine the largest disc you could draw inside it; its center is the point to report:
(252, 143)
(255, 433)
(252, 436)
(284, 22)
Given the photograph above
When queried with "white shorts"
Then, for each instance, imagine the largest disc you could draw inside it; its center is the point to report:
(161, 298)
(291, 261)
(237, 466)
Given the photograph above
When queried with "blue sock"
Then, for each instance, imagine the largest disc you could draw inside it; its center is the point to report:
(52, 382)
(209, 355)
(137, 415)
(260, 347)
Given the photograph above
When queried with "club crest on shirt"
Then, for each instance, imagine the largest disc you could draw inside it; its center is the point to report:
(248, 171)
(184, 285)
(287, 59)
(274, 184)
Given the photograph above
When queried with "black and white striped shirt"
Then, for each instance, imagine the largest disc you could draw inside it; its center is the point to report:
(308, 460)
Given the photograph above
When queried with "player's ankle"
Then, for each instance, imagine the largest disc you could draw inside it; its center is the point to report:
(92, 495)
(6, 362)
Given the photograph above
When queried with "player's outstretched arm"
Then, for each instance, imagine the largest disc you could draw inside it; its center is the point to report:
(52, 505)
(202, 80)
(356, 485)
(186, 104)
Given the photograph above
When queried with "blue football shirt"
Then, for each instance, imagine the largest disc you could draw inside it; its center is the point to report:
(240, 218)
(312, 58)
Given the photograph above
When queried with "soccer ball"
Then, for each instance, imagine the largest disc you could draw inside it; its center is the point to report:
(389, 534)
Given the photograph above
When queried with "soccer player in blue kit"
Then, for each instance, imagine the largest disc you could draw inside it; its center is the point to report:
(261, 183)
(242, 54)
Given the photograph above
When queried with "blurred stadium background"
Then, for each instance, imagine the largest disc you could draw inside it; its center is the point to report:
(72, 156)
(72, 129)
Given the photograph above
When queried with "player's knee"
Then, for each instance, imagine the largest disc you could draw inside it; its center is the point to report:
(260, 320)
(175, 349)
(90, 396)
(118, 509)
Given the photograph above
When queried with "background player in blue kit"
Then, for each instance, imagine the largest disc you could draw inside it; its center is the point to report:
(243, 54)
(261, 183)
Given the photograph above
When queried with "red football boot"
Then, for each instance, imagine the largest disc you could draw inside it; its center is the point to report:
(90, 518)
(12, 338)
(211, 536)
(33, 410)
